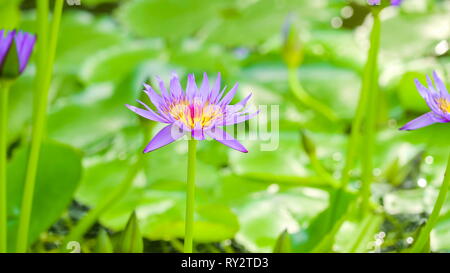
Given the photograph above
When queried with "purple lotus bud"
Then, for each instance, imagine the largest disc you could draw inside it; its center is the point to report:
(15, 51)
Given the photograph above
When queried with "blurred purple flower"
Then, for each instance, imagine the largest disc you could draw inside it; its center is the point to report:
(197, 111)
(378, 2)
(437, 99)
(13, 65)
(396, 2)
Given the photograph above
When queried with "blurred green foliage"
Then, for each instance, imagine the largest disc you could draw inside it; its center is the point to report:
(108, 48)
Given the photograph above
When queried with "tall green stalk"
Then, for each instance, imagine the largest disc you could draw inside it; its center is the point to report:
(363, 110)
(425, 232)
(364, 99)
(46, 59)
(4, 92)
(371, 84)
(190, 196)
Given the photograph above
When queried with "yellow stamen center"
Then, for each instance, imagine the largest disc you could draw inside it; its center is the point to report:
(444, 105)
(195, 114)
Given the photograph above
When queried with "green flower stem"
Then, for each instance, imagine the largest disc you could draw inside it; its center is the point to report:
(355, 137)
(4, 92)
(370, 83)
(43, 80)
(309, 101)
(425, 232)
(190, 196)
(321, 171)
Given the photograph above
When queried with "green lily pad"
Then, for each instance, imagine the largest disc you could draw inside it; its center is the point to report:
(56, 182)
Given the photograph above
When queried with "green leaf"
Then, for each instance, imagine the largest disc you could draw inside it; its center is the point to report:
(264, 215)
(358, 236)
(306, 240)
(102, 177)
(213, 223)
(10, 14)
(161, 196)
(56, 182)
(241, 24)
(409, 97)
(283, 244)
(99, 2)
(115, 63)
(403, 44)
(131, 239)
(82, 37)
(19, 105)
(164, 208)
(104, 244)
(338, 94)
(167, 19)
(205, 58)
(97, 112)
(280, 158)
(161, 166)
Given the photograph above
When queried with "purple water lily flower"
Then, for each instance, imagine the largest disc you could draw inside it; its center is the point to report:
(438, 99)
(378, 2)
(197, 111)
(23, 42)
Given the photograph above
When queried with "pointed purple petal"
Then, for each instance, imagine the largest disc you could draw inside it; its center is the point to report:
(216, 99)
(230, 95)
(423, 121)
(428, 95)
(154, 97)
(235, 119)
(216, 88)
(204, 88)
(191, 87)
(430, 84)
(440, 84)
(244, 101)
(162, 87)
(224, 138)
(148, 114)
(167, 135)
(164, 117)
(175, 87)
(25, 43)
(5, 45)
(424, 92)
